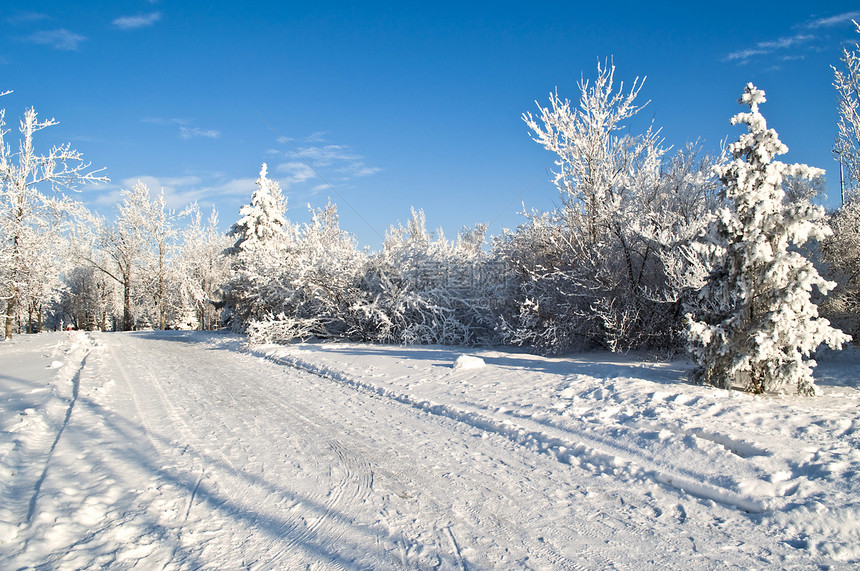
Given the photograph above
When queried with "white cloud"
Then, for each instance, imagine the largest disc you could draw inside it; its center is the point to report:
(335, 164)
(766, 48)
(139, 21)
(361, 170)
(295, 173)
(318, 137)
(843, 18)
(61, 39)
(181, 191)
(195, 132)
(327, 154)
(786, 42)
(185, 130)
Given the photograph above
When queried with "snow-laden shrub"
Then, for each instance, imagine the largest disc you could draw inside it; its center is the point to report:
(430, 290)
(316, 286)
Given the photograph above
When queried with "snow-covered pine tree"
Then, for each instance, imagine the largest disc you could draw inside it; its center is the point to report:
(263, 236)
(757, 323)
(262, 222)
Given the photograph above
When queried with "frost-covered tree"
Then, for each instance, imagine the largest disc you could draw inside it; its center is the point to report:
(200, 269)
(760, 325)
(594, 273)
(434, 290)
(262, 237)
(124, 245)
(842, 253)
(148, 223)
(596, 157)
(31, 219)
(314, 291)
(262, 223)
(847, 84)
(159, 227)
(90, 299)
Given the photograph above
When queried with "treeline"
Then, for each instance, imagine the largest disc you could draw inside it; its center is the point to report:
(619, 265)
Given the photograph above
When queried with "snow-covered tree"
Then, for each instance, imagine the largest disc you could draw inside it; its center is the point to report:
(263, 237)
(30, 218)
(315, 289)
(429, 289)
(90, 299)
(262, 223)
(842, 253)
(200, 268)
(124, 245)
(159, 227)
(594, 273)
(760, 325)
(847, 84)
(596, 158)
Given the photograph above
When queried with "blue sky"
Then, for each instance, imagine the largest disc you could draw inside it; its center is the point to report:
(397, 104)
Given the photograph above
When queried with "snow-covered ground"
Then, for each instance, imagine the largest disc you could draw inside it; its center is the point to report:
(178, 450)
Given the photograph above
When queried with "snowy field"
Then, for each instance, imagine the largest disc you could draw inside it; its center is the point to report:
(176, 450)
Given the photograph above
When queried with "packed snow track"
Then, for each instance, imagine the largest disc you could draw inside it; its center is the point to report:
(169, 450)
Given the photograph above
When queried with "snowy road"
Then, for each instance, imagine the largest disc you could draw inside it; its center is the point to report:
(176, 451)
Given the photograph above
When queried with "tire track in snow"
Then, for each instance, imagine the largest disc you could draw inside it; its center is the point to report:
(453, 485)
(590, 548)
(563, 444)
(295, 531)
(589, 453)
(300, 531)
(414, 495)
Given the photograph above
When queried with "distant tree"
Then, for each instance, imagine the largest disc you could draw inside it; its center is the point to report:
(842, 250)
(847, 84)
(158, 231)
(89, 300)
(200, 268)
(760, 325)
(124, 246)
(30, 218)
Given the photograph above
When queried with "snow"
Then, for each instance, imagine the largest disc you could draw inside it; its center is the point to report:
(468, 362)
(185, 450)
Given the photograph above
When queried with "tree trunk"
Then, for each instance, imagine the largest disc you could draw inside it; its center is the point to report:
(126, 306)
(161, 319)
(161, 311)
(10, 315)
